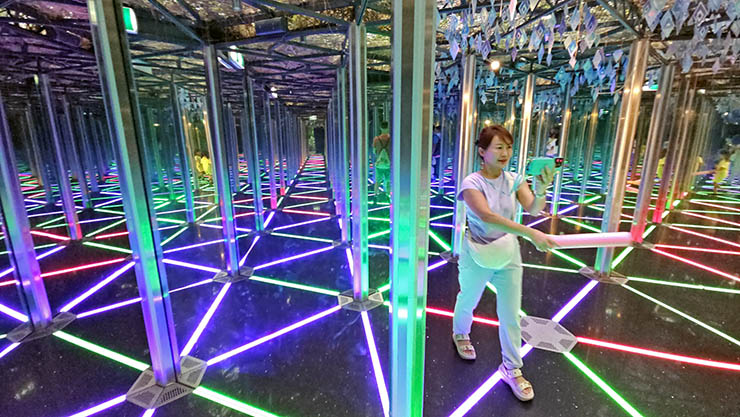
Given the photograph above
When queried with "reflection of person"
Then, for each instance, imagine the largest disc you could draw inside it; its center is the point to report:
(721, 170)
(490, 196)
(735, 164)
(436, 143)
(203, 165)
(382, 150)
(661, 162)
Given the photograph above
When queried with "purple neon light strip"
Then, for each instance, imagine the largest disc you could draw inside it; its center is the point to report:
(493, 379)
(271, 336)
(377, 369)
(12, 313)
(294, 257)
(98, 286)
(136, 300)
(149, 412)
(100, 407)
(40, 257)
(8, 349)
(192, 266)
(269, 219)
(350, 262)
(210, 242)
(204, 322)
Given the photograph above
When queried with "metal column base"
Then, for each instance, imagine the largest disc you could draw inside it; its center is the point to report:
(27, 332)
(610, 278)
(347, 300)
(449, 257)
(147, 394)
(244, 274)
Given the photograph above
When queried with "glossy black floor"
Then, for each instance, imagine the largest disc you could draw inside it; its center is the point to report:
(682, 299)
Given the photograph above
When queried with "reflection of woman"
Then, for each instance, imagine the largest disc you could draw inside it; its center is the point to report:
(490, 196)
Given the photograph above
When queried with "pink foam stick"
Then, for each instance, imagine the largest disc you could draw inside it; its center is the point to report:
(593, 240)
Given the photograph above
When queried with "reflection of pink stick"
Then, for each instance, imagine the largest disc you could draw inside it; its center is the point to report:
(592, 240)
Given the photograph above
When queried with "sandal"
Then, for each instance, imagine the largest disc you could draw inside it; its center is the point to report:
(464, 347)
(509, 376)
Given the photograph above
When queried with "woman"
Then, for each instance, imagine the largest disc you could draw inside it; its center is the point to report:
(490, 196)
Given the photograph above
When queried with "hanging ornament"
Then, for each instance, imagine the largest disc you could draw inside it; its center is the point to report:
(680, 11)
(523, 8)
(454, 49)
(713, 5)
(716, 66)
(666, 24)
(651, 15)
(575, 19)
(686, 63)
(512, 10)
(700, 13)
(540, 54)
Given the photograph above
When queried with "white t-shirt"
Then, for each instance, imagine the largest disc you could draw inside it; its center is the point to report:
(500, 194)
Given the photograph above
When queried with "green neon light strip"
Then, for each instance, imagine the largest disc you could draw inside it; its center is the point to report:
(684, 285)
(109, 211)
(728, 213)
(439, 240)
(166, 220)
(226, 401)
(380, 219)
(441, 216)
(378, 234)
(294, 285)
(48, 222)
(603, 385)
(592, 199)
(110, 226)
(141, 366)
(35, 248)
(317, 239)
(107, 247)
(174, 235)
(550, 268)
(568, 258)
(684, 315)
(207, 212)
(579, 224)
(616, 261)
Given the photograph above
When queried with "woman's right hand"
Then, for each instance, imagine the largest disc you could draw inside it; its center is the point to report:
(543, 242)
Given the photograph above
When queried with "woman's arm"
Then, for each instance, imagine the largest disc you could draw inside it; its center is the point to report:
(476, 201)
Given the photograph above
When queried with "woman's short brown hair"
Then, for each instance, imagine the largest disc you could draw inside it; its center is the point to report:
(489, 132)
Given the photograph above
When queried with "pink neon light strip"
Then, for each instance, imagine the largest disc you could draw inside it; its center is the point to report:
(81, 267)
(271, 336)
(698, 249)
(49, 235)
(714, 205)
(660, 355)
(697, 264)
(714, 219)
(691, 232)
(111, 235)
(312, 213)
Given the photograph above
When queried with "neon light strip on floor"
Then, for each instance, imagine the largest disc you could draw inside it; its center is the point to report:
(691, 232)
(698, 249)
(101, 407)
(660, 355)
(294, 257)
(684, 315)
(603, 385)
(684, 285)
(205, 320)
(272, 336)
(8, 349)
(191, 265)
(222, 399)
(714, 219)
(697, 264)
(81, 267)
(294, 285)
(377, 369)
(97, 286)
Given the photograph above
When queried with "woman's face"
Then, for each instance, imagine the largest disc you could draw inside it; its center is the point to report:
(497, 154)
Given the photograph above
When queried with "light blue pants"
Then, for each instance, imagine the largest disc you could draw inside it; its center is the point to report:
(508, 284)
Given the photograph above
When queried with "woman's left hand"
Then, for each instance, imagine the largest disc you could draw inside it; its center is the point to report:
(545, 178)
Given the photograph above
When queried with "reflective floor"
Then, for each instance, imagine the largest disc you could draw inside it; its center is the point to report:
(664, 344)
